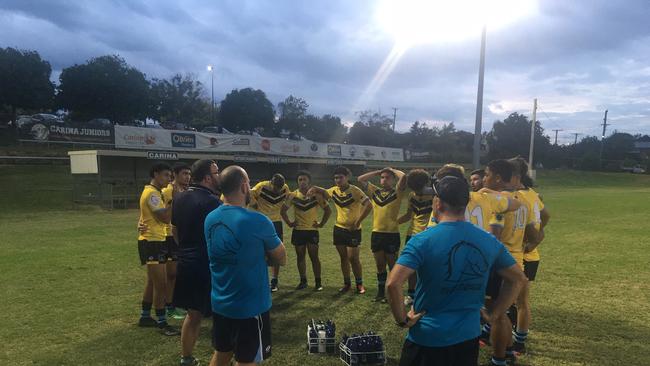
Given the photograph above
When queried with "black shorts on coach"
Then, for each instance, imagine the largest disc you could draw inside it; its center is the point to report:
(493, 285)
(152, 252)
(349, 238)
(460, 354)
(278, 229)
(530, 269)
(304, 237)
(249, 339)
(193, 287)
(387, 242)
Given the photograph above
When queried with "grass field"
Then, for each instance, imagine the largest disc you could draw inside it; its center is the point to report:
(71, 281)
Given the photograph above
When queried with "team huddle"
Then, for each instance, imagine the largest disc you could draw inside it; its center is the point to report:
(470, 254)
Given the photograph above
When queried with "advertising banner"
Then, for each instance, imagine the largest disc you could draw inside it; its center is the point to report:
(58, 131)
(153, 138)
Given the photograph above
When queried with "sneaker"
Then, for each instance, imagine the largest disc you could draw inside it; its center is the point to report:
(345, 288)
(318, 287)
(178, 314)
(147, 322)
(360, 289)
(511, 356)
(408, 300)
(484, 339)
(168, 330)
(518, 348)
(301, 286)
(189, 361)
(274, 285)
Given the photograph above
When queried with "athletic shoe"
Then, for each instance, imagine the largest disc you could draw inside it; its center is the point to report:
(189, 361)
(147, 322)
(345, 288)
(318, 287)
(274, 286)
(511, 356)
(177, 314)
(408, 300)
(379, 298)
(360, 289)
(484, 339)
(301, 286)
(518, 348)
(168, 330)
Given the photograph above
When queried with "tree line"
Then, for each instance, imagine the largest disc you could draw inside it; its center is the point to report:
(108, 87)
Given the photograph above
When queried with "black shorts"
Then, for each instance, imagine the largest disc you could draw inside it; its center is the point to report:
(249, 339)
(278, 229)
(152, 252)
(193, 287)
(304, 237)
(494, 285)
(172, 249)
(349, 238)
(460, 354)
(530, 269)
(386, 242)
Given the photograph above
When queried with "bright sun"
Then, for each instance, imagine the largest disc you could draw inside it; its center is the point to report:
(413, 22)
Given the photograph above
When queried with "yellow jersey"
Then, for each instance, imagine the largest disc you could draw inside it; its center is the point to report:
(421, 207)
(151, 201)
(482, 208)
(538, 206)
(385, 208)
(305, 210)
(269, 202)
(514, 226)
(167, 195)
(348, 204)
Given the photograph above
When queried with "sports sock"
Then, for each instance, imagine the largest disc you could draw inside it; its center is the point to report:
(486, 328)
(318, 281)
(381, 281)
(146, 310)
(358, 281)
(303, 280)
(161, 314)
(169, 306)
(347, 281)
(520, 336)
(498, 361)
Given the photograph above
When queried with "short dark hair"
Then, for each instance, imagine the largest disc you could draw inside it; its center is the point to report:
(521, 166)
(502, 168)
(341, 170)
(201, 169)
(417, 179)
(389, 171)
(452, 170)
(179, 167)
(303, 173)
(158, 167)
(277, 180)
(231, 179)
(480, 172)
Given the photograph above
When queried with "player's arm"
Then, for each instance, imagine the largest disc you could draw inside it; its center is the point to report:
(406, 217)
(161, 211)
(285, 217)
(545, 217)
(513, 282)
(327, 212)
(364, 178)
(365, 211)
(513, 204)
(316, 190)
(401, 179)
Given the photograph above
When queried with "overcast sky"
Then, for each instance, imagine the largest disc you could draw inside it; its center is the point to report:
(577, 57)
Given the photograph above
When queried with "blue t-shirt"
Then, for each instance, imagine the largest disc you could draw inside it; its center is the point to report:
(453, 261)
(238, 240)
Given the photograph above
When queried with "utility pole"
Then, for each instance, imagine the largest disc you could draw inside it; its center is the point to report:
(602, 141)
(394, 117)
(476, 161)
(575, 134)
(532, 138)
(556, 131)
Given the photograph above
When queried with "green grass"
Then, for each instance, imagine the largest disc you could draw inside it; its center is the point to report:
(71, 281)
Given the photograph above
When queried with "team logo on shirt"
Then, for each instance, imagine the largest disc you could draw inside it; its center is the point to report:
(273, 197)
(421, 207)
(383, 197)
(154, 200)
(466, 268)
(342, 200)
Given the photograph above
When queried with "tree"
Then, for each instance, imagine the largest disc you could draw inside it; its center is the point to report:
(179, 99)
(104, 87)
(24, 80)
(370, 118)
(327, 128)
(292, 113)
(511, 137)
(246, 109)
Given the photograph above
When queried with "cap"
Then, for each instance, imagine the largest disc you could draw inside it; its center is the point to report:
(452, 190)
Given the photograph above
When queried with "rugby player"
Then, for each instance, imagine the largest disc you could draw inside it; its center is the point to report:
(305, 224)
(418, 213)
(476, 179)
(152, 248)
(510, 228)
(352, 207)
(531, 254)
(268, 197)
(181, 180)
(386, 201)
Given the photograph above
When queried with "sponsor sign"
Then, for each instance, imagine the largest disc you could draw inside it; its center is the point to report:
(334, 150)
(243, 141)
(161, 155)
(186, 140)
(56, 131)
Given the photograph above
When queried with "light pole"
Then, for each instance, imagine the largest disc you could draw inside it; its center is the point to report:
(476, 161)
(210, 68)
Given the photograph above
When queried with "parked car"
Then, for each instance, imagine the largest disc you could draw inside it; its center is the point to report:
(99, 122)
(637, 169)
(216, 129)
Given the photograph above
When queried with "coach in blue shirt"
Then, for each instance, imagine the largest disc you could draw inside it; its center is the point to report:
(453, 262)
(241, 243)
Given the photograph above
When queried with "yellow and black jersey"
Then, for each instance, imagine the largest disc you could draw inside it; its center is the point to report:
(348, 204)
(385, 208)
(537, 206)
(514, 225)
(483, 207)
(167, 195)
(268, 201)
(421, 207)
(305, 209)
(151, 201)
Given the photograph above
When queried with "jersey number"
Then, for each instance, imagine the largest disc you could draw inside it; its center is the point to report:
(475, 217)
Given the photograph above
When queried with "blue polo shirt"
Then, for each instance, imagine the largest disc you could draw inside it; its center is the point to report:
(453, 261)
(238, 240)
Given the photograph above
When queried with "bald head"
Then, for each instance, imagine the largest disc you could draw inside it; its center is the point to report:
(231, 180)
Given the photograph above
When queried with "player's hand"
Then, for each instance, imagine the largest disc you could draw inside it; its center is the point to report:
(413, 317)
(357, 225)
(311, 192)
(142, 227)
(487, 316)
(291, 224)
(317, 225)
